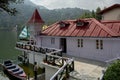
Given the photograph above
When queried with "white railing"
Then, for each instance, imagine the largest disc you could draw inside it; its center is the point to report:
(50, 52)
(61, 69)
(112, 60)
(35, 48)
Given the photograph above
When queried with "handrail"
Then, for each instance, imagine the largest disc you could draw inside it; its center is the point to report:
(49, 52)
(36, 48)
(55, 56)
(61, 69)
(112, 59)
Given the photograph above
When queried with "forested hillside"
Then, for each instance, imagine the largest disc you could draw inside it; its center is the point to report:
(26, 9)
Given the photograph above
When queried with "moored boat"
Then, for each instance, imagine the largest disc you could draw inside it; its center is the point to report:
(13, 71)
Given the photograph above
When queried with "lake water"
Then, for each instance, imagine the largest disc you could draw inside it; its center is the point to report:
(7, 48)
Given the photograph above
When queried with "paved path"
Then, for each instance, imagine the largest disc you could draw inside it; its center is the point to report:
(88, 69)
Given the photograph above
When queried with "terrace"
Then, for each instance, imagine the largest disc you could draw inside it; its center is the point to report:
(53, 58)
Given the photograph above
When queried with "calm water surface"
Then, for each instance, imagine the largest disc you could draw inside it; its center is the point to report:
(7, 48)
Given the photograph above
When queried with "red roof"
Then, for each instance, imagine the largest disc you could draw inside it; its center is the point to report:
(110, 8)
(36, 18)
(113, 25)
(94, 28)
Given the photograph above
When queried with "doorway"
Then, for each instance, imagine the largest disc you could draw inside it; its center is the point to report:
(63, 44)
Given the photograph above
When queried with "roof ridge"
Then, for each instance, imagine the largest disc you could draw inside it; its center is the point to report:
(105, 28)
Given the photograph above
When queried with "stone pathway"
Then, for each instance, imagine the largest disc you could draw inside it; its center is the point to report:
(87, 69)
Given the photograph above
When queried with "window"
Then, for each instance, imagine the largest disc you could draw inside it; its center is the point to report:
(63, 24)
(80, 42)
(52, 40)
(81, 23)
(99, 44)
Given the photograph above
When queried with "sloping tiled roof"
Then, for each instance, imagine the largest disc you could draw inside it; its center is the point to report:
(110, 8)
(36, 18)
(113, 25)
(94, 28)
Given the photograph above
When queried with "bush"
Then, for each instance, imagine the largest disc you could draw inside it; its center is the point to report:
(113, 71)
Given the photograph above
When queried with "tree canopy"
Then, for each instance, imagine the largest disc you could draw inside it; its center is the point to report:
(113, 72)
(92, 14)
(5, 5)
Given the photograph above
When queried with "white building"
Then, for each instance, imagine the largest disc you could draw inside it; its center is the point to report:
(84, 38)
(87, 38)
(111, 13)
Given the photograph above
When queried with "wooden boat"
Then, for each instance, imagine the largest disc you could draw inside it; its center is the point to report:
(13, 71)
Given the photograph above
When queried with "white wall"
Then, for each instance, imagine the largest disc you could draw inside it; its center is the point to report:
(112, 14)
(33, 57)
(46, 42)
(110, 49)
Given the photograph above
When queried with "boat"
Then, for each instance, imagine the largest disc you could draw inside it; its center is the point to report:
(13, 71)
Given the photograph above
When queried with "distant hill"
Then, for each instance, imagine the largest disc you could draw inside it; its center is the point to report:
(26, 9)
(28, 2)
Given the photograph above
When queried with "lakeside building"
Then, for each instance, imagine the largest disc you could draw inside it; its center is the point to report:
(80, 38)
(87, 38)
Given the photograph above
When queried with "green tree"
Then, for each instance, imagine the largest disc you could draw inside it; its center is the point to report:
(113, 71)
(86, 15)
(98, 16)
(5, 6)
(93, 14)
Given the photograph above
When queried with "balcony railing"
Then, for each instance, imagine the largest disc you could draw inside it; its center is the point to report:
(35, 48)
(63, 72)
(66, 65)
(53, 58)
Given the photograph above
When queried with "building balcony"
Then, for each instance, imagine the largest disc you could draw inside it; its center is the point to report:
(60, 66)
(34, 48)
(53, 59)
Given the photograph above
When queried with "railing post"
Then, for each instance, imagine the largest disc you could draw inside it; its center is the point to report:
(73, 65)
(62, 62)
(67, 72)
(60, 53)
(54, 60)
(46, 58)
(56, 78)
(28, 76)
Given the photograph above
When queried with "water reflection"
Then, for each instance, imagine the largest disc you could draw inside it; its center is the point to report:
(7, 48)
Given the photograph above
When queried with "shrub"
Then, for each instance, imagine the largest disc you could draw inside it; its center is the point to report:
(113, 71)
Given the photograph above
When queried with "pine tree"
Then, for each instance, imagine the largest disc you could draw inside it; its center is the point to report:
(86, 15)
(93, 14)
(98, 16)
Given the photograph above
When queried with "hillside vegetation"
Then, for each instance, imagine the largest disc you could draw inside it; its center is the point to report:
(26, 9)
